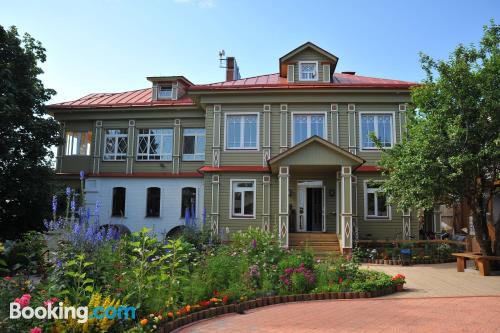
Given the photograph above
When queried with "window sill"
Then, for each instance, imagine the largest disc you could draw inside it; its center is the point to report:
(152, 217)
(246, 217)
(378, 218)
(153, 160)
(240, 150)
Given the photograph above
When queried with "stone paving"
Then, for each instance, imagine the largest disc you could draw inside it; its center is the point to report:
(437, 299)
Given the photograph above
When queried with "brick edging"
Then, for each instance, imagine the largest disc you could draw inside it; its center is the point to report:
(413, 262)
(171, 326)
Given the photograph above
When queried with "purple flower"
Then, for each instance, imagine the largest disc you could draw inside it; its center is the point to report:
(68, 191)
(82, 175)
(54, 204)
(73, 205)
(254, 244)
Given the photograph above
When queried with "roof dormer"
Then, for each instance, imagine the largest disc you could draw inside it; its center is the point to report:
(169, 87)
(308, 63)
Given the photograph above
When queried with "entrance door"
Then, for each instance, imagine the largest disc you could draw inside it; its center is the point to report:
(311, 206)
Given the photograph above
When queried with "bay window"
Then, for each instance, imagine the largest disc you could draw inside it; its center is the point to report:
(193, 148)
(155, 144)
(242, 131)
(78, 143)
(115, 146)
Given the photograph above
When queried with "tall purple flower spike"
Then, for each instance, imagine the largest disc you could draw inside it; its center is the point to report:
(68, 191)
(54, 204)
(82, 175)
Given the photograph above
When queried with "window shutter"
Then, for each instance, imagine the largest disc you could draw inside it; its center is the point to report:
(290, 73)
(326, 73)
(155, 92)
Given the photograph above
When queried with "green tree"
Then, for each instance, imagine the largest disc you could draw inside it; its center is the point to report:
(26, 135)
(452, 151)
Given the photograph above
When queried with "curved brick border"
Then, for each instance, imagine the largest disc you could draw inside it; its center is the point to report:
(413, 262)
(170, 326)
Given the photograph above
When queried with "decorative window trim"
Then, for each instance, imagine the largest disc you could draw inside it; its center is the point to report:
(309, 113)
(376, 113)
(231, 195)
(365, 204)
(147, 154)
(196, 156)
(316, 78)
(257, 147)
(115, 156)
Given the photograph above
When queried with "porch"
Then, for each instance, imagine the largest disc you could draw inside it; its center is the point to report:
(315, 195)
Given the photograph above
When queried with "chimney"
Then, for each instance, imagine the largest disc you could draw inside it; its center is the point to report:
(232, 69)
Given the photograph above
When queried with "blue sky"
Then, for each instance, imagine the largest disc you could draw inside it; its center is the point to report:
(112, 45)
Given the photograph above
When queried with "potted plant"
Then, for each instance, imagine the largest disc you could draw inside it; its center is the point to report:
(399, 280)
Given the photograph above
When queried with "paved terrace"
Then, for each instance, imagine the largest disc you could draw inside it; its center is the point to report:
(438, 299)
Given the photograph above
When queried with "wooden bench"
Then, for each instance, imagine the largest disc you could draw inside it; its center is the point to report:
(482, 262)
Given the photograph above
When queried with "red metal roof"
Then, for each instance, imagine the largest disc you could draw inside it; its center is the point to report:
(134, 98)
(143, 97)
(339, 81)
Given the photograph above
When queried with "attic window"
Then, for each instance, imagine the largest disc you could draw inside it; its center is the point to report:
(308, 71)
(164, 92)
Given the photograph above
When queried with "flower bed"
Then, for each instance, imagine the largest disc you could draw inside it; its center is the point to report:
(421, 252)
(169, 282)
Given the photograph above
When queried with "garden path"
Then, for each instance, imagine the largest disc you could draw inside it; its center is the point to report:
(440, 280)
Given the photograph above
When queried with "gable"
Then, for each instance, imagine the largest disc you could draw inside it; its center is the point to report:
(315, 151)
(326, 62)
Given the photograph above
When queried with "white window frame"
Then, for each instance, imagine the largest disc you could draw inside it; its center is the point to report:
(242, 133)
(231, 196)
(160, 86)
(69, 143)
(197, 156)
(309, 114)
(113, 157)
(300, 70)
(366, 190)
(376, 113)
(147, 154)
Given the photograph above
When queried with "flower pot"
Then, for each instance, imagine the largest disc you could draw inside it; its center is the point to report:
(369, 294)
(355, 294)
(363, 294)
(349, 295)
(219, 310)
(212, 312)
(291, 298)
(322, 296)
(399, 287)
(375, 293)
(326, 295)
(341, 295)
(189, 319)
(170, 326)
(231, 308)
(334, 295)
(270, 300)
(265, 301)
(277, 299)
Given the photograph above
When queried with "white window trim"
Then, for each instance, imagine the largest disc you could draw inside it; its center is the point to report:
(308, 62)
(196, 136)
(169, 156)
(115, 154)
(309, 113)
(226, 148)
(164, 86)
(375, 113)
(365, 199)
(242, 217)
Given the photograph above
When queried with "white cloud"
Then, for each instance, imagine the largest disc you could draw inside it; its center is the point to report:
(199, 3)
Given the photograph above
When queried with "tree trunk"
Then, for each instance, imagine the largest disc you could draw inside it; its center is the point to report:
(479, 210)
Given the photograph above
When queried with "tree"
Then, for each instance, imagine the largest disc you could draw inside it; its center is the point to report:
(452, 150)
(26, 135)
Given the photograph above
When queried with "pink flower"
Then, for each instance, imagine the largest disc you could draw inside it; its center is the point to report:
(50, 301)
(24, 301)
(36, 330)
(8, 278)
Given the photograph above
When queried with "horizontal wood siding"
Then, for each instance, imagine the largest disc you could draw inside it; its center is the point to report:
(380, 229)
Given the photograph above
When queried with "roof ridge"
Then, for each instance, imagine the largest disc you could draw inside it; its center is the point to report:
(243, 78)
(371, 77)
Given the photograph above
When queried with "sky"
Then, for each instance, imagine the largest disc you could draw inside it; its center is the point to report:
(112, 45)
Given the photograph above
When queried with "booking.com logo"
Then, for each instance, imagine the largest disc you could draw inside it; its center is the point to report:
(80, 313)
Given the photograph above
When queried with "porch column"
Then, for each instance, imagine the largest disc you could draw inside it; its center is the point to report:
(406, 224)
(214, 209)
(346, 209)
(283, 205)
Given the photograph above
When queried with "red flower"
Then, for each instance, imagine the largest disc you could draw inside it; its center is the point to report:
(340, 280)
(224, 299)
(216, 293)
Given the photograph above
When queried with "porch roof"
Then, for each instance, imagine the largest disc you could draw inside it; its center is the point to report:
(315, 151)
